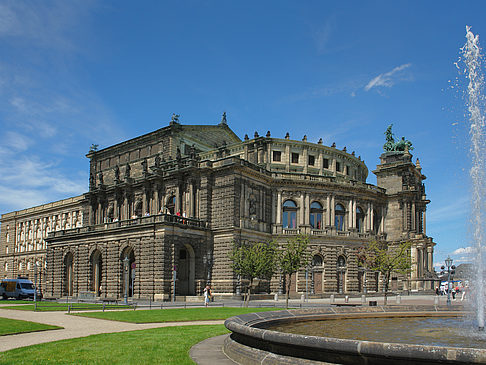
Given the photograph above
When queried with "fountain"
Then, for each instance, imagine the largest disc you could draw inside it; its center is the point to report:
(262, 338)
(475, 103)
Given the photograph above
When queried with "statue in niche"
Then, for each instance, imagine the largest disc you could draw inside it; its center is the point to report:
(252, 210)
(127, 171)
(178, 153)
(192, 152)
(100, 178)
(117, 173)
(157, 161)
(91, 180)
(144, 165)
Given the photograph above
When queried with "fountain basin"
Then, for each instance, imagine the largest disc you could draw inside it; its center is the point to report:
(251, 342)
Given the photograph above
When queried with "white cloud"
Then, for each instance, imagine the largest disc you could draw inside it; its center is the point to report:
(387, 79)
(464, 250)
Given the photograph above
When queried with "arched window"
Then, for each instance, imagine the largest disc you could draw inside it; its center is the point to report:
(289, 214)
(376, 222)
(339, 213)
(316, 215)
(96, 271)
(317, 261)
(341, 262)
(359, 219)
(171, 203)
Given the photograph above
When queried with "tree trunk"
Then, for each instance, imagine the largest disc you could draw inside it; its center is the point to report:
(248, 292)
(387, 279)
(287, 294)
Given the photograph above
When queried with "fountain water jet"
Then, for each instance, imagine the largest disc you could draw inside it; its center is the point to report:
(475, 103)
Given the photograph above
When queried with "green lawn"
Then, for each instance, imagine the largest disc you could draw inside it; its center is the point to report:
(168, 345)
(53, 306)
(13, 326)
(14, 301)
(174, 314)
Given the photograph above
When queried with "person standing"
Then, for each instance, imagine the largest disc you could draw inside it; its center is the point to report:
(207, 295)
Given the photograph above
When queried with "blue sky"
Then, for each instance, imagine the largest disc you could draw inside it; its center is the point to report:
(74, 73)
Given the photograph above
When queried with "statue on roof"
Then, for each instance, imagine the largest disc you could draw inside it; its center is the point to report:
(392, 146)
(223, 119)
(175, 118)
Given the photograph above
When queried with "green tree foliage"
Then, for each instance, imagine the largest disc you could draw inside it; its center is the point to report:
(385, 259)
(292, 257)
(252, 261)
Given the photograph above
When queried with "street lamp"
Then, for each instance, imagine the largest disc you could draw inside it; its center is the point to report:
(450, 272)
(126, 262)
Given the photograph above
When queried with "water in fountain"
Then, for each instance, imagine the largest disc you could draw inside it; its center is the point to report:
(475, 103)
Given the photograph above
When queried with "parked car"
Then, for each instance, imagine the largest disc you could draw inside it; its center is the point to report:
(20, 288)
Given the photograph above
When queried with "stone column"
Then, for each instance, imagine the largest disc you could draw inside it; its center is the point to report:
(302, 210)
(414, 257)
(424, 225)
(349, 223)
(430, 257)
(279, 207)
(307, 209)
(328, 210)
(191, 202)
(333, 210)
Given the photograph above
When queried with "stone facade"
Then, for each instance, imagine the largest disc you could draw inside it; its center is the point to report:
(172, 203)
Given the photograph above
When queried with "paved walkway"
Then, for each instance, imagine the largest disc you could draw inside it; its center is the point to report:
(74, 327)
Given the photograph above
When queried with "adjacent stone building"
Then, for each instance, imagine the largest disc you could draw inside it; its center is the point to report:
(172, 203)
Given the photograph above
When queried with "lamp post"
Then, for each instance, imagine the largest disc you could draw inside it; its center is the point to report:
(126, 262)
(450, 272)
(35, 281)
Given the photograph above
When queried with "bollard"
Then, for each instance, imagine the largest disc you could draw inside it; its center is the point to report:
(346, 299)
(436, 300)
(332, 298)
(104, 304)
(302, 298)
(69, 308)
(363, 299)
(399, 299)
(275, 297)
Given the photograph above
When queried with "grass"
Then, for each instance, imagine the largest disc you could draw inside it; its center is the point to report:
(53, 306)
(15, 301)
(169, 345)
(174, 314)
(14, 326)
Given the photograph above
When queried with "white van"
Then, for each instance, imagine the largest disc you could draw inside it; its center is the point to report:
(21, 288)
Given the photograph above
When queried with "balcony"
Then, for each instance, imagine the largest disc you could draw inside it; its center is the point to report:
(151, 219)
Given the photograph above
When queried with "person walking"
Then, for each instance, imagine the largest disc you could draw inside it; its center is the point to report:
(207, 295)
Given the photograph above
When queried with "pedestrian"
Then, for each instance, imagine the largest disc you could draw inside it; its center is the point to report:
(453, 292)
(207, 295)
(436, 290)
(464, 290)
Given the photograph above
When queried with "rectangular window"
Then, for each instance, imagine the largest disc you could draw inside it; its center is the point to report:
(338, 167)
(325, 163)
(312, 160)
(295, 157)
(347, 170)
(277, 156)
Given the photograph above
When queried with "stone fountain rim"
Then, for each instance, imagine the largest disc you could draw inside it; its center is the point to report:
(250, 328)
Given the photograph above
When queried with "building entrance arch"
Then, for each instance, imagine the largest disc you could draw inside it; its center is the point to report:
(186, 270)
(68, 274)
(96, 272)
(128, 268)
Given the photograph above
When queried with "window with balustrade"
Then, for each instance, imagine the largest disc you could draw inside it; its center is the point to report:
(360, 216)
(316, 215)
(289, 214)
(339, 214)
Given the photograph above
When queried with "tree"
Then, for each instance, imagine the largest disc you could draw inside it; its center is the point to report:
(385, 259)
(252, 261)
(291, 258)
